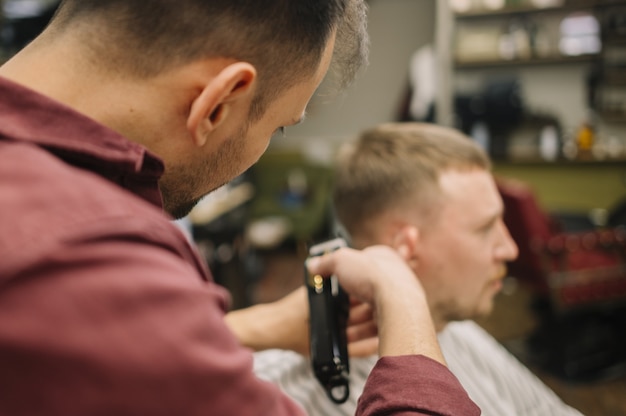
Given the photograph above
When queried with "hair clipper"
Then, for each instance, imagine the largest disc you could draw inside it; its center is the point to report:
(329, 306)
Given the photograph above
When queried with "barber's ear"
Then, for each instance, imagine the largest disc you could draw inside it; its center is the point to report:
(406, 242)
(213, 104)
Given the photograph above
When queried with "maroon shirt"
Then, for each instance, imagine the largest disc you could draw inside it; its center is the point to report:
(105, 308)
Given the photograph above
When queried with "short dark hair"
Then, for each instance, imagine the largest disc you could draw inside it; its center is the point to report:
(283, 39)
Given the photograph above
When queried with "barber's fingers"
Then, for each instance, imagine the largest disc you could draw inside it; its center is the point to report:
(362, 331)
(351, 268)
(324, 265)
(354, 302)
(363, 348)
(360, 313)
(363, 274)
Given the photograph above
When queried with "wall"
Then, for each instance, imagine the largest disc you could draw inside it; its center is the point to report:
(397, 29)
(576, 187)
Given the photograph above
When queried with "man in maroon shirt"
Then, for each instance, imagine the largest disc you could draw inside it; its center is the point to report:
(122, 109)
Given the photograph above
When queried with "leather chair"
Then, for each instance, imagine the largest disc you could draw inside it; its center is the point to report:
(573, 269)
(579, 279)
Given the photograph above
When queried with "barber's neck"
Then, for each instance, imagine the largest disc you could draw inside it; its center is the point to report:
(58, 67)
(52, 68)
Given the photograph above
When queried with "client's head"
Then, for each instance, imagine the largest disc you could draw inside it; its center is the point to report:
(428, 188)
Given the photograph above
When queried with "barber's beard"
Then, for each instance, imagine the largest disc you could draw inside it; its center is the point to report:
(185, 185)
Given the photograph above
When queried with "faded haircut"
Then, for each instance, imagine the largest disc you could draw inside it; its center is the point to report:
(283, 39)
(395, 163)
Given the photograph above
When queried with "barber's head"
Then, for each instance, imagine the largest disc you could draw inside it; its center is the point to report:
(210, 80)
(428, 188)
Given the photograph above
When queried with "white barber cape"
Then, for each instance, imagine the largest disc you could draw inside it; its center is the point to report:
(495, 380)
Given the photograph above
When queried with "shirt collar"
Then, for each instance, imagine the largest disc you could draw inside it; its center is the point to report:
(28, 116)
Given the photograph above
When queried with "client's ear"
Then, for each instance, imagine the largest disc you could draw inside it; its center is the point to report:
(213, 104)
(406, 241)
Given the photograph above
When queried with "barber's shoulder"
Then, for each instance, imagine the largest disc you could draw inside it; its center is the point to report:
(46, 202)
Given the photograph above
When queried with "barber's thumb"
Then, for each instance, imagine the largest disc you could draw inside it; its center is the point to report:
(320, 264)
(313, 264)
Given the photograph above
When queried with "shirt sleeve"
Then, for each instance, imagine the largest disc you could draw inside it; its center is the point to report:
(413, 385)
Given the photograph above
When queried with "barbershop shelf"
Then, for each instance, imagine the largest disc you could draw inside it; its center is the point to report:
(521, 10)
(480, 64)
(613, 117)
(562, 162)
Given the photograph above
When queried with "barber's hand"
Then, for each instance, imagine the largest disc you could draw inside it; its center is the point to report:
(362, 330)
(292, 325)
(284, 324)
(365, 274)
(380, 276)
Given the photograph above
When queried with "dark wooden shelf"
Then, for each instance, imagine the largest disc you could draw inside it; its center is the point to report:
(612, 117)
(528, 9)
(526, 62)
(559, 163)
(513, 11)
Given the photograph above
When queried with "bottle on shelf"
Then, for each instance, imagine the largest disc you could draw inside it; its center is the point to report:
(585, 138)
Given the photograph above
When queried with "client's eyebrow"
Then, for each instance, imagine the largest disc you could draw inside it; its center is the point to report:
(491, 220)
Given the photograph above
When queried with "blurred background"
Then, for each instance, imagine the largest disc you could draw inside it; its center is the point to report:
(541, 85)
